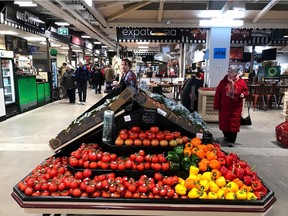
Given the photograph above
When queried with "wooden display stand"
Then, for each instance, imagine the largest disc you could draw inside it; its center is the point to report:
(205, 104)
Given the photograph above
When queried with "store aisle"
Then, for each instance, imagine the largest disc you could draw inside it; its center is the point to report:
(24, 144)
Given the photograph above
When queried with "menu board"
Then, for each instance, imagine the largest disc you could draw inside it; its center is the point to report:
(16, 44)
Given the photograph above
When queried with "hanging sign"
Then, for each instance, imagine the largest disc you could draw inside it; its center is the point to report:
(63, 31)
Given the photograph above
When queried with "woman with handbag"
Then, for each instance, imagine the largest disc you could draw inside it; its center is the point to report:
(228, 100)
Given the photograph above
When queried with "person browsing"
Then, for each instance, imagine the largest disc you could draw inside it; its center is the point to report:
(228, 100)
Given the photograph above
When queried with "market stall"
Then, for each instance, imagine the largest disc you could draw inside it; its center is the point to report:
(156, 159)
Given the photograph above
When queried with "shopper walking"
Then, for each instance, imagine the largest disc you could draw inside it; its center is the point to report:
(228, 100)
(82, 77)
(97, 79)
(109, 78)
(68, 81)
(189, 96)
(128, 76)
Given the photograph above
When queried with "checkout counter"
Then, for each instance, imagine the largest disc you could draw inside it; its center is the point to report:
(33, 92)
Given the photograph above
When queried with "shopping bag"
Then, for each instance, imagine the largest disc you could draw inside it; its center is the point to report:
(247, 120)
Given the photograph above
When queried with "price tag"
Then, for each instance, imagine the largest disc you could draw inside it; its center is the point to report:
(127, 118)
(161, 112)
(199, 135)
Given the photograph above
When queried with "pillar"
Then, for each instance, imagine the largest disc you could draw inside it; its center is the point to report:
(218, 47)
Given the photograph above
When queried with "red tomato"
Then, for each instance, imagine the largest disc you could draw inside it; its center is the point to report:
(129, 142)
(124, 136)
(142, 135)
(158, 176)
(87, 173)
(76, 192)
(150, 136)
(119, 142)
(160, 136)
(73, 162)
(176, 134)
(113, 165)
(146, 142)
(123, 131)
(165, 166)
(135, 129)
(155, 142)
(154, 129)
(137, 142)
(78, 175)
(28, 191)
(133, 136)
(169, 137)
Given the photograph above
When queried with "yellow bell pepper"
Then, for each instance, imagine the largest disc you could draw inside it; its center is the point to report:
(251, 196)
(203, 185)
(181, 181)
(241, 195)
(230, 196)
(220, 194)
(213, 187)
(196, 178)
(232, 186)
(193, 170)
(194, 193)
(221, 181)
(203, 195)
(212, 195)
(207, 175)
(180, 189)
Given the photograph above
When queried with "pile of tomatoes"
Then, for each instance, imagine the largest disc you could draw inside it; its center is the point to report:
(152, 137)
(52, 178)
(90, 156)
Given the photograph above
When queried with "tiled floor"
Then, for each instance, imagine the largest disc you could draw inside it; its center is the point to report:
(24, 144)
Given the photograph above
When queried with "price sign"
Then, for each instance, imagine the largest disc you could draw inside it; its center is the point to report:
(63, 31)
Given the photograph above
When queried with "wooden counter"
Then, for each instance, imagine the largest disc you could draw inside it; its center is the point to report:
(205, 104)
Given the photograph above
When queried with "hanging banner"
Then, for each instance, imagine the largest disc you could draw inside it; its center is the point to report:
(29, 21)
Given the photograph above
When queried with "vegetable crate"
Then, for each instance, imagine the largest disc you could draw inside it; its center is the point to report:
(282, 133)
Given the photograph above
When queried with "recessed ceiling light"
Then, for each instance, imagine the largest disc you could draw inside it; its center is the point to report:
(85, 36)
(285, 36)
(97, 42)
(143, 47)
(142, 43)
(221, 22)
(34, 38)
(8, 32)
(62, 23)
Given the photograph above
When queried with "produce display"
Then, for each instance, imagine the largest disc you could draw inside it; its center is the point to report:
(209, 173)
(158, 153)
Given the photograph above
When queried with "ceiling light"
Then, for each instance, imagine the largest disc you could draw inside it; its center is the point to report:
(143, 47)
(43, 42)
(221, 22)
(104, 46)
(239, 6)
(65, 48)
(55, 45)
(25, 3)
(88, 2)
(8, 32)
(158, 32)
(62, 23)
(111, 50)
(34, 38)
(85, 36)
(285, 36)
(97, 42)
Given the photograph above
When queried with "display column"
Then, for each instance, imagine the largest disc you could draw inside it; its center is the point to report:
(218, 44)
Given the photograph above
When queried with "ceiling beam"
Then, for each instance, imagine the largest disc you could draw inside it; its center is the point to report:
(127, 10)
(57, 11)
(98, 15)
(160, 12)
(265, 10)
(226, 7)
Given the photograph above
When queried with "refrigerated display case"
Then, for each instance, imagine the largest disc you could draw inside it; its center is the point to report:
(7, 71)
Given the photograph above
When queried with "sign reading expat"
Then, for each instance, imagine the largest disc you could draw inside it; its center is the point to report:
(24, 18)
(219, 53)
(146, 34)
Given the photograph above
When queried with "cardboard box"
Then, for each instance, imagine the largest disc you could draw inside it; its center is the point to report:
(126, 95)
(147, 102)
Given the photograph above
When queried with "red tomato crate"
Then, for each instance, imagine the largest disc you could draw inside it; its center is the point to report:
(282, 133)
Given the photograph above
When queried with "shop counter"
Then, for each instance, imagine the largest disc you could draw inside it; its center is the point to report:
(43, 93)
(205, 104)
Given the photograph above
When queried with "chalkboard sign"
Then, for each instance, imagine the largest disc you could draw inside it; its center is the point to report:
(149, 116)
(16, 44)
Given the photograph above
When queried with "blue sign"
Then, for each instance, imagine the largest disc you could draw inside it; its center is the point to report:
(219, 53)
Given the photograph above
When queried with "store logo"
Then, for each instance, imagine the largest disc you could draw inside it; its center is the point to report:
(145, 32)
(28, 18)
